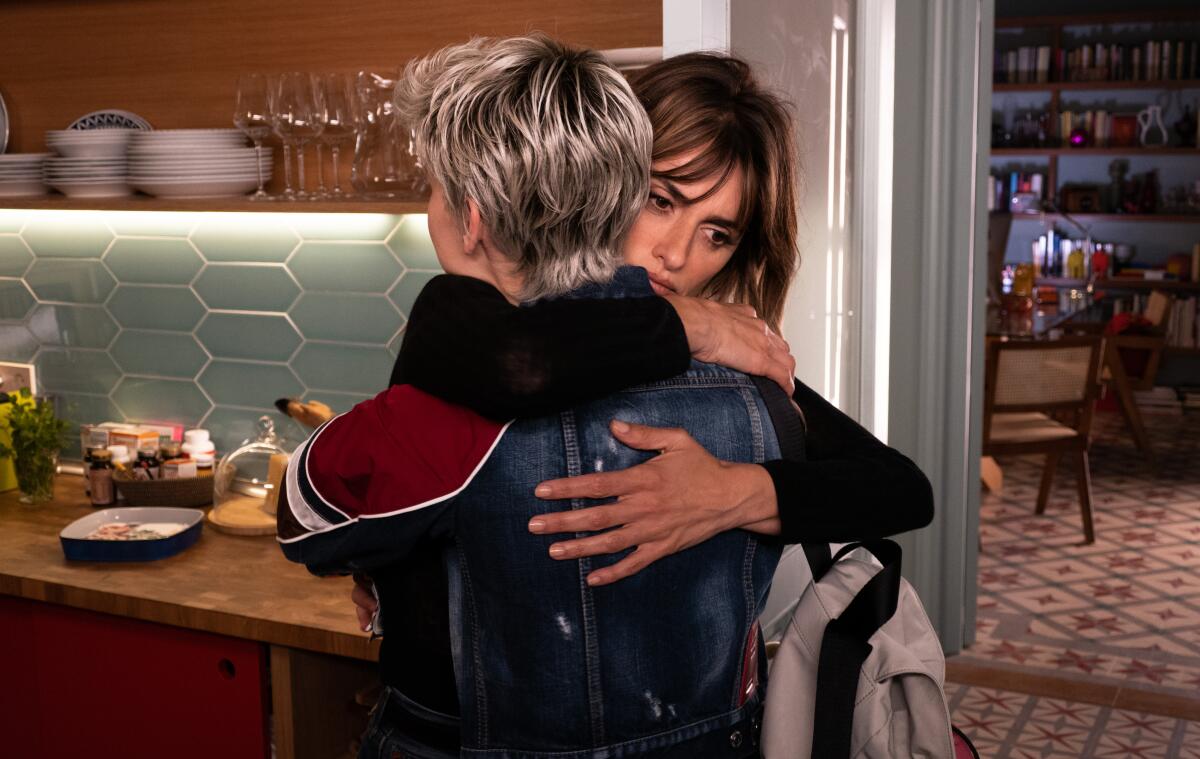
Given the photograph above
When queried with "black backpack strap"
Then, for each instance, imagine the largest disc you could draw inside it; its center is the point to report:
(789, 429)
(844, 648)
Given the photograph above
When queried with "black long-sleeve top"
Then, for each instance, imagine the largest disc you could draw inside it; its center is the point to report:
(466, 343)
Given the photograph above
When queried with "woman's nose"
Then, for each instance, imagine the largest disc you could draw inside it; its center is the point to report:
(672, 249)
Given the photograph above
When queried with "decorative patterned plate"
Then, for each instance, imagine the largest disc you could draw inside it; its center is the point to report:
(110, 119)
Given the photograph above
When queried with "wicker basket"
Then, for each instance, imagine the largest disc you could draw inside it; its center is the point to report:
(191, 491)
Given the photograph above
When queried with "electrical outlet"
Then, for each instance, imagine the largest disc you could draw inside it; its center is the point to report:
(13, 377)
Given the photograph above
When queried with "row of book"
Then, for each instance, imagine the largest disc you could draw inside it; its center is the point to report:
(1183, 324)
(1028, 187)
(1155, 60)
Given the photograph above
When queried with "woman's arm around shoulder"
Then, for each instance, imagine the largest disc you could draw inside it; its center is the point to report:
(852, 486)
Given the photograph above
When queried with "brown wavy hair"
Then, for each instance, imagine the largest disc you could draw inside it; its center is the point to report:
(713, 104)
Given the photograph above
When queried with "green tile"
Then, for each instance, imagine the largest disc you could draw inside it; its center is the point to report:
(76, 371)
(339, 402)
(346, 318)
(231, 427)
(73, 326)
(15, 299)
(356, 226)
(12, 220)
(151, 307)
(395, 342)
(351, 267)
(14, 256)
(412, 244)
(161, 400)
(246, 383)
(160, 262)
(70, 281)
(17, 343)
(152, 223)
(246, 288)
(343, 368)
(78, 409)
(407, 289)
(245, 237)
(263, 338)
(68, 236)
(166, 354)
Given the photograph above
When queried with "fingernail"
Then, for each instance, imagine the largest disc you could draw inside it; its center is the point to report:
(591, 580)
(557, 551)
(619, 426)
(542, 491)
(536, 525)
(367, 628)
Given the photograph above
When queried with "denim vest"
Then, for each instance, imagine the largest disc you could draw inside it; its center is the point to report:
(665, 662)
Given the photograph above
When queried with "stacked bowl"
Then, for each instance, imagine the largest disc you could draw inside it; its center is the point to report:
(195, 163)
(90, 163)
(21, 175)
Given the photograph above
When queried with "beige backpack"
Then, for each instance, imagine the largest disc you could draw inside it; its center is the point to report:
(859, 670)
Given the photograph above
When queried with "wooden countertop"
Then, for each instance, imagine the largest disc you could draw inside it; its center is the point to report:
(237, 586)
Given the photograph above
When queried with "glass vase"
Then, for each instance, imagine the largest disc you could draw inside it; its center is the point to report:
(35, 476)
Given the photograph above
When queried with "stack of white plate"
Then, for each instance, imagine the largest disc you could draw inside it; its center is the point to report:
(195, 163)
(89, 143)
(87, 177)
(21, 174)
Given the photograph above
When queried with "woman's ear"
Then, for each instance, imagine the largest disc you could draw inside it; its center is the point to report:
(474, 233)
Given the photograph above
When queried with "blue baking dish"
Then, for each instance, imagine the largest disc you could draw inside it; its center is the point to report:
(78, 547)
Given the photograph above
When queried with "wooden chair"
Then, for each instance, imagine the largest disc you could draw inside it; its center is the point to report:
(1038, 399)
(1148, 347)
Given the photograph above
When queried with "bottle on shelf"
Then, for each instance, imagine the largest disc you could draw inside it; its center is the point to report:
(100, 478)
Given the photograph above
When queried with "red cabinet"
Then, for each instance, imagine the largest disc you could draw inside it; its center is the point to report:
(79, 683)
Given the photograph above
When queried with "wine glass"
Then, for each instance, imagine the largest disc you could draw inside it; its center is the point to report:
(339, 119)
(294, 118)
(252, 115)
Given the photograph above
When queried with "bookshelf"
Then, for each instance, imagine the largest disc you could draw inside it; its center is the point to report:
(1175, 71)
(1122, 283)
(1087, 218)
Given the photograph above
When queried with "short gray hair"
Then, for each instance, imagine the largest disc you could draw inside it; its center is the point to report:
(549, 141)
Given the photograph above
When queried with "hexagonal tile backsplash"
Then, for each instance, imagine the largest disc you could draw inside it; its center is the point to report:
(206, 318)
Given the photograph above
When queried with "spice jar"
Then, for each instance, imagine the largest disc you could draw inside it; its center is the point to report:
(100, 478)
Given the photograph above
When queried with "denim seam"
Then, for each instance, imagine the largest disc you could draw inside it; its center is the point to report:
(691, 382)
(756, 425)
(748, 611)
(690, 731)
(477, 679)
(574, 462)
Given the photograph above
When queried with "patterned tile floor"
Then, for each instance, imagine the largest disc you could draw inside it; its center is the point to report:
(1121, 616)
(1007, 725)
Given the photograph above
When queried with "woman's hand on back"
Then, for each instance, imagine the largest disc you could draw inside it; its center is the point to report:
(676, 500)
(732, 335)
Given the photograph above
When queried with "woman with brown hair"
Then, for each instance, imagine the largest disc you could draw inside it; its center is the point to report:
(718, 240)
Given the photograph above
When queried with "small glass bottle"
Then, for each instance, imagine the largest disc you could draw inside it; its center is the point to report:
(100, 477)
(148, 465)
(170, 450)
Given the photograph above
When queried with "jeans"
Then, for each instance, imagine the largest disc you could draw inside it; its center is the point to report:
(403, 729)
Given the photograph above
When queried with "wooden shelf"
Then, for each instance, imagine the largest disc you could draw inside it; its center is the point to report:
(1096, 151)
(1094, 19)
(1140, 84)
(1165, 218)
(1121, 283)
(144, 203)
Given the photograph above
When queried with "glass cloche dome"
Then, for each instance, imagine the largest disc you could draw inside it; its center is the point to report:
(250, 472)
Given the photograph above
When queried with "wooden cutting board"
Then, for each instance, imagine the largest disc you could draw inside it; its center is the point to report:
(242, 515)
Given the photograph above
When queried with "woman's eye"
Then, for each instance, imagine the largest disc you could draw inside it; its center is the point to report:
(660, 202)
(717, 237)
